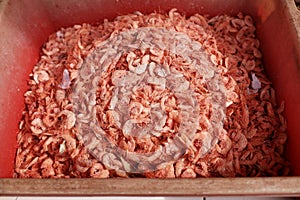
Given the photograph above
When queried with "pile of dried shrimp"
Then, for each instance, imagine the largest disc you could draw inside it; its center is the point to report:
(253, 136)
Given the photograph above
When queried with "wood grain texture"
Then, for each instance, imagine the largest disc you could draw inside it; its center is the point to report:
(277, 186)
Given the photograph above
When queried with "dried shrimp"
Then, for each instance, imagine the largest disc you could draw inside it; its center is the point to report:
(253, 133)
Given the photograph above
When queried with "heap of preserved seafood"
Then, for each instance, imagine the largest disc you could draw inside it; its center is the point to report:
(158, 95)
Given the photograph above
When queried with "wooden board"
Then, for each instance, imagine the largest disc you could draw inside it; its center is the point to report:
(277, 186)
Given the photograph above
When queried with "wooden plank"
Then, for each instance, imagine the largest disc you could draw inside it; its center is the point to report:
(276, 186)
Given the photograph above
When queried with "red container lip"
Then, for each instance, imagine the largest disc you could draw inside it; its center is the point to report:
(25, 26)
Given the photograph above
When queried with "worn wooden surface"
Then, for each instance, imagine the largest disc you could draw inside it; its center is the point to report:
(277, 186)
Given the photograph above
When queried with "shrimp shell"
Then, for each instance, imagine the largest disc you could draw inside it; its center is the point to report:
(70, 118)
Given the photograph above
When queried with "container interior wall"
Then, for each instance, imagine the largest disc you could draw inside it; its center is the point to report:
(25, 25)
(280, 44)
(23, 28)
